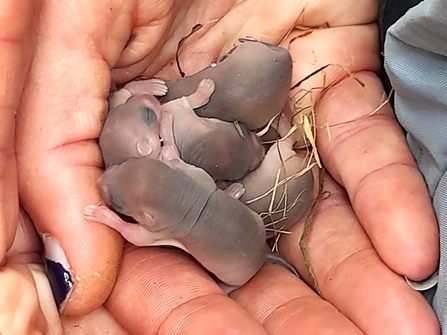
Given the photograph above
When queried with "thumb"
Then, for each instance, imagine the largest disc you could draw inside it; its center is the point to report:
(63, 104)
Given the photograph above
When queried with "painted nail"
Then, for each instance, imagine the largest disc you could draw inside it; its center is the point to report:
(58, 271)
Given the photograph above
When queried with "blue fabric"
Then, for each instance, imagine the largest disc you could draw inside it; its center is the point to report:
(415, 59)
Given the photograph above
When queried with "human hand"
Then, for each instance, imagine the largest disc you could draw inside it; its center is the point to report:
(163, 290)
(26, 302)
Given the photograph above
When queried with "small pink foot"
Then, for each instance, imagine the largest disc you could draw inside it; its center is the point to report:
(119, 97)
(134, 233)
(150, 86)
(103, 215)
(202, 94)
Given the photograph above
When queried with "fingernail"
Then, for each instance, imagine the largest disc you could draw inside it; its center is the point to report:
(58, 271)
(424, 284)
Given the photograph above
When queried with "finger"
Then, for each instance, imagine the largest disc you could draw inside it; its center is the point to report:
(347, 13)
(60, 117)
(351, 276)
(98, 322)
(27, 246)
(370, 157)
(20, 304)
(46, 300)
(267, 21)
(23, 269)
(283, 304)
(410, 244)
(163, 291)
(326, 56)
(19, 19)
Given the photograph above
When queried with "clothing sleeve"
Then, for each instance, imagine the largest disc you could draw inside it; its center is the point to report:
(415, 59)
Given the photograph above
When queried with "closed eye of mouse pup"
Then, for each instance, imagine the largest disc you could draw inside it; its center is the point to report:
(294, 193)
(211, 144)
(252, 84)
(131, 126)
(179, 205)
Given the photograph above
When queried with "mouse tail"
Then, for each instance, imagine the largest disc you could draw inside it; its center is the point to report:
(272, 257)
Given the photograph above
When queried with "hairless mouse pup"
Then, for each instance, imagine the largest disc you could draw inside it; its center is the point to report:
(178, 204)
(131, 127)
(252, 84)
(294, 194)
(212, 144)
(131, 130)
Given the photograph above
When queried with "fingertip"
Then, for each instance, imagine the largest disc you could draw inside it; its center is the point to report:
(404, 230)
(164, 291)
(96, 272)
(365, 150)
(82, 268)
(352, 277)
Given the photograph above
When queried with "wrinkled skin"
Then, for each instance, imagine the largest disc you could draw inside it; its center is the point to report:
(358, 253)
(173, 204)
(211, 144)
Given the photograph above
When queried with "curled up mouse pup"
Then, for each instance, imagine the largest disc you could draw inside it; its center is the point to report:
(222, 150)
(252, 84)
(178, 204)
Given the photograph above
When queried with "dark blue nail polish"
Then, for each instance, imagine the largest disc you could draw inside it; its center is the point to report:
(60, 280)
(58, 270)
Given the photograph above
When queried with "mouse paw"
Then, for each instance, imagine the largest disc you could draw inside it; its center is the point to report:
(102, 214)
(134, 233)
(202, 94)
(157, 87)
(119, 97)
(150, 86)
(235, 190)
(206, 87)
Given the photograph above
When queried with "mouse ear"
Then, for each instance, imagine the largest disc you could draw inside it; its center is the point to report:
(144, 147)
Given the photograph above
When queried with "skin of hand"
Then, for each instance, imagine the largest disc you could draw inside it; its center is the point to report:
(358, 253)
(26, 302)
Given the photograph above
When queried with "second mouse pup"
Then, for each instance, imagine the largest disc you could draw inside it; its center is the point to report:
(252, 84)
(282, 189)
